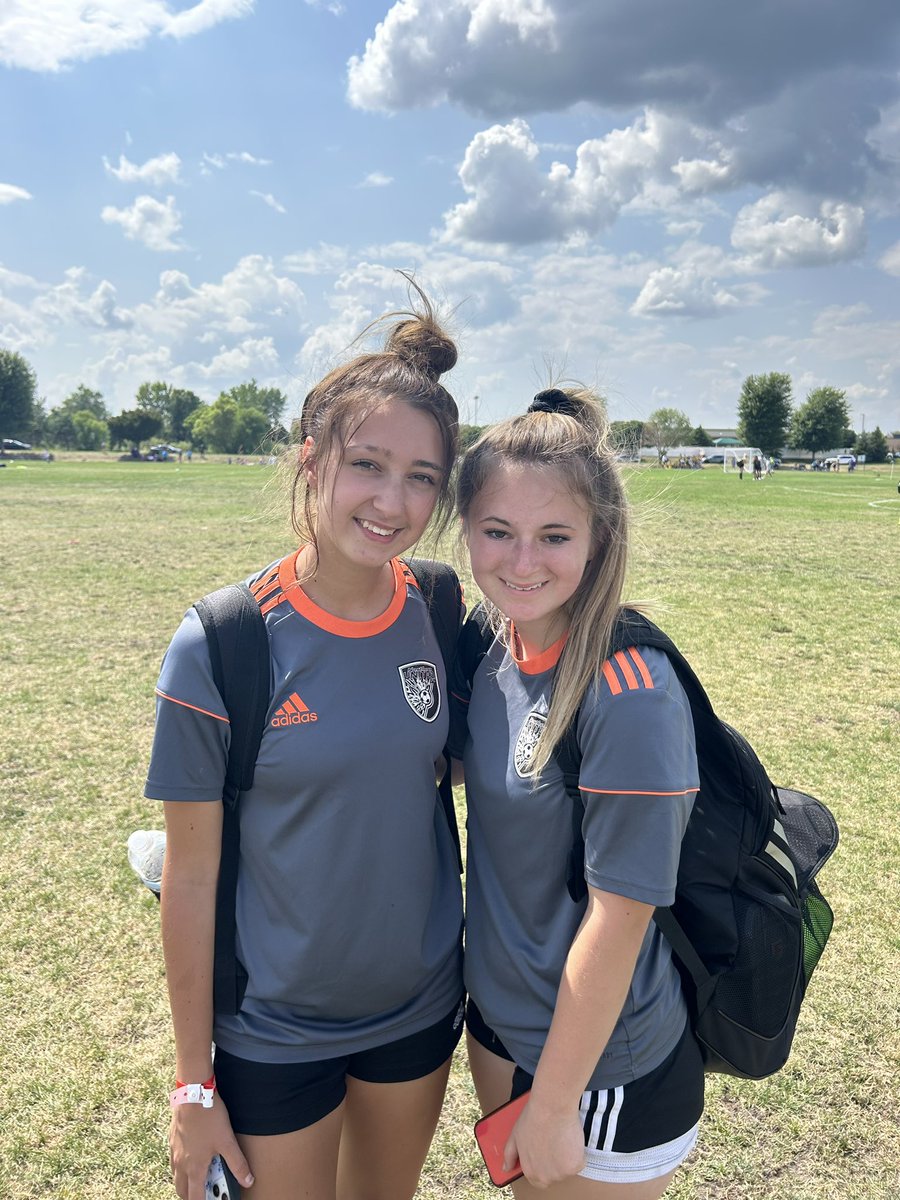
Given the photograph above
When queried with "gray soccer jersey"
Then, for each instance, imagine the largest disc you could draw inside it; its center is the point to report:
(638, 780)
(349, 908)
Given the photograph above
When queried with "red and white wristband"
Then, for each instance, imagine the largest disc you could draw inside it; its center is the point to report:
(193, 1093)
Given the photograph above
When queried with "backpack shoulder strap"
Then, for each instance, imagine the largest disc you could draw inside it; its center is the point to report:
(474, 642)
(241, 665)
(440, 587)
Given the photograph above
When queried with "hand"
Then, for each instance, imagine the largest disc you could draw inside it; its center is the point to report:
(196, 1136)
(548, 1144)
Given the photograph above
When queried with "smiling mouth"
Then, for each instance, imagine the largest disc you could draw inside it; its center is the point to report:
(378, 530)
(531, 587)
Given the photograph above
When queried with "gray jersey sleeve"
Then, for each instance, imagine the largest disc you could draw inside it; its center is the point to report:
(192, 735)
(638, 778)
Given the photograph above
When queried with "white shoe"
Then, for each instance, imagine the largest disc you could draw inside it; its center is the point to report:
(146, 852)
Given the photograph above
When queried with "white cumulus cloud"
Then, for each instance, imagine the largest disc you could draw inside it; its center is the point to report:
(791, 102)
(498, 57)
(515, 199)
(376, 179)
(244, 156)
(684, 292)
(268, 198)
(9, 193)
(54, 34)
(773, 236)
(252, 356)
(155, 172)
(147, 221)
(890, 260)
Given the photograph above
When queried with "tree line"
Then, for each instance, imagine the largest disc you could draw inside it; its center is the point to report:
(244, 419)
(767, 418)
(248, 418)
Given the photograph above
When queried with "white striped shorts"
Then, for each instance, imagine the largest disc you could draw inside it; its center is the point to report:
(643, 1129)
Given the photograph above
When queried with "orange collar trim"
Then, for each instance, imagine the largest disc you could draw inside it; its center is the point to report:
(341, 626)
(544, 661)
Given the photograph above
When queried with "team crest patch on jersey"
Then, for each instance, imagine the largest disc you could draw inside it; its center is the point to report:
(421, 689)
(526, 742)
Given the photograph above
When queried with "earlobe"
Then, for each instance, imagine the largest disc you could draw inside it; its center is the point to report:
(308, 461)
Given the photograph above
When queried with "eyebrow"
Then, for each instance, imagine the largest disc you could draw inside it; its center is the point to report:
(501, 521)
(419, 462)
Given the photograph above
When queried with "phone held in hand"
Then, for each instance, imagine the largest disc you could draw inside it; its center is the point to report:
(220, 1183)
(492, 1133)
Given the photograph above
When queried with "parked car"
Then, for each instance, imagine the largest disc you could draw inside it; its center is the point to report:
(15, 444)
(714, 458)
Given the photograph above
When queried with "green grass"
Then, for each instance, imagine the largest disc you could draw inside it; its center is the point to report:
(784, 596)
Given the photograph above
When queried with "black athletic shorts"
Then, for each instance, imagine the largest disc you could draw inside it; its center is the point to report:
(659, 1107)
(268, 1098)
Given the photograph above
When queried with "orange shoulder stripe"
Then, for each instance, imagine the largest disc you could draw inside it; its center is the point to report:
(625, 668)
(184, 704)
(264, 588)
(611, 678)
(641, 666)
(631, 792)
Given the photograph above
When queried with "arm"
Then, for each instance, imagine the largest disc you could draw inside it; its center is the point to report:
(548, 1138)
(188, 901)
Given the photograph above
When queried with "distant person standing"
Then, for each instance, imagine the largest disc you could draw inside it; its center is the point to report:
(757, 467)
(741, 463)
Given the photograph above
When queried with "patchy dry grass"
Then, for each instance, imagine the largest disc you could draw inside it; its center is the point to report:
(784, 595)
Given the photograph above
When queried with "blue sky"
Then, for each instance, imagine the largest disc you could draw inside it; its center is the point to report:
(656, 199)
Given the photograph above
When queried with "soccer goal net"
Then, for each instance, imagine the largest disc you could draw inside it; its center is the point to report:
(733, 455)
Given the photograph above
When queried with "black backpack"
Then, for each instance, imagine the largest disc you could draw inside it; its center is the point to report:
(748, 924)
(241, 666)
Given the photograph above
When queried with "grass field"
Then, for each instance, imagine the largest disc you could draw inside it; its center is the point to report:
(784, 594)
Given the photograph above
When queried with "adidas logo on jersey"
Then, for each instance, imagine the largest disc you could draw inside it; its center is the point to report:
(293, 712)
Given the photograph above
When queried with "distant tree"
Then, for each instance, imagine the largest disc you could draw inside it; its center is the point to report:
(277, 438)
(764, 411)
(61, 428)
(64, 430)
(666, 427)
(38, 435)
(154, 397)
(627, 436)
(89, 432)
(268, 400)
(181, 404)
(873, 445)
(699, 437)
(85, 399)
(172, 405)
(132, 427)
(18, 386)
(821, 422)
(469, 435)
(227, 428)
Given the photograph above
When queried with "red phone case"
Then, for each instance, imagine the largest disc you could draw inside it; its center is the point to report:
(492, 1133)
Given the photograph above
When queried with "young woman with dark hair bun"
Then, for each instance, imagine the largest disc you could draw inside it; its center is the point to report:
(328, 1082)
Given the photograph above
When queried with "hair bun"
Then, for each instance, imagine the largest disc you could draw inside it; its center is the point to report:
(423, 344)
(554, 400)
